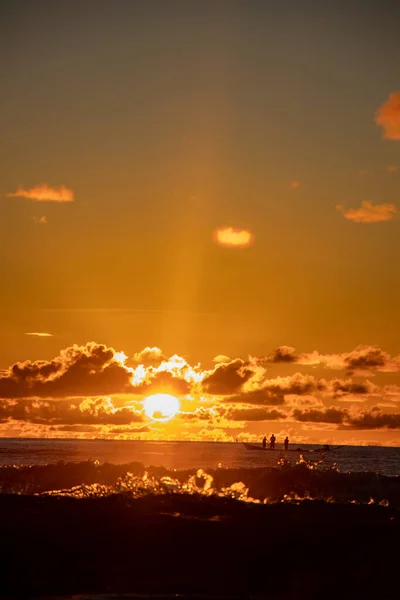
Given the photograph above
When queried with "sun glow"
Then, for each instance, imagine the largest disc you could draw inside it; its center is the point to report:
(161, 407)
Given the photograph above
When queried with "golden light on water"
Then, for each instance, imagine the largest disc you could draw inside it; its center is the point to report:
(228, 236)
(161, 407)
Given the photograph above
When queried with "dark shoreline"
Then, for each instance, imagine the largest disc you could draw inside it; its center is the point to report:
(191, 544)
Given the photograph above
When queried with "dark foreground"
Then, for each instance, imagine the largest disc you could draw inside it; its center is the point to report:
(177, 544)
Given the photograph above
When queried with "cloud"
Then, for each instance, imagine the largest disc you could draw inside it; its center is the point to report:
(227, 378)
(392, 168)
(328, 415)
(76, 428)
(173, 375)
(45, 193)
(374, 419)
(368, 213)
(89, 411)
(262, 397)
(227, 236)
(253, 414)
(96, 369)
(282, 354)
(307, 400)
(388, 117)
(200, 414)
(364, 358)
(340, 387)
(294, 184)
(277, 391)
(149, 356)
(40, 334)
(78, 370)
(162, 381)
(350, 419)
(40, 220)
(359, 361)
(298, 384)
(221, 358)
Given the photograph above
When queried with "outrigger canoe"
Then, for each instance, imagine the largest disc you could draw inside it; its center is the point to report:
(320, 450)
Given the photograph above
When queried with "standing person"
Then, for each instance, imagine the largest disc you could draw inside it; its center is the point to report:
(272, 442)
(264, 442)
(286, 443)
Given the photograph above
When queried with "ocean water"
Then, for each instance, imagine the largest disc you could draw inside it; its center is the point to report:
(190, 455)
(84, 468)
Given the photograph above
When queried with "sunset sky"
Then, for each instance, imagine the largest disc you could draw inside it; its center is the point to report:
(212, 181)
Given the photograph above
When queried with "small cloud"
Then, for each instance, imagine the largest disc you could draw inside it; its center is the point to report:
(227, 236)
(149, 356)
(294, 184)
(368, 212)
(283, 354)
(388, 117)
(45, 193)
(221, 358)
(40, 334)
(392, 168)
(40, 220)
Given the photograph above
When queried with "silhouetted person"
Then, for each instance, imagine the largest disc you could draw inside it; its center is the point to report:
(286, 443)
(326, 447)
(272, 442)
(264, 442)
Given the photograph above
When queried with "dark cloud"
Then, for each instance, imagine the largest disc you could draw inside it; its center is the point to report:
(78, 370)
(253, 414)
(283, 354)
(340, 387)
(295, 384)
(261, 397)
(364, 358)
(366, 419)
(374, 419)
(328, 415)
(76, 428)
(227, 378)
(96, 411)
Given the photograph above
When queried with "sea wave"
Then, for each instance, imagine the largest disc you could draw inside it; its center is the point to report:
(305, 480)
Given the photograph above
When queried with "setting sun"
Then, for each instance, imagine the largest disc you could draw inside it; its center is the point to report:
(161, 407)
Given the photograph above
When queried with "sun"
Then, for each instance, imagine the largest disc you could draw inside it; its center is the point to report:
(161, 407)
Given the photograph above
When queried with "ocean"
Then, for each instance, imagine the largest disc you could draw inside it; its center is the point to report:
(25, 465)
(197, 518)
(189, 455)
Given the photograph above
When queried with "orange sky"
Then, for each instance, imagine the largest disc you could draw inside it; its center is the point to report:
(208, 182)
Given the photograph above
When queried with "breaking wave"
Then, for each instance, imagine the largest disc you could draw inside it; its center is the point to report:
(305, 480)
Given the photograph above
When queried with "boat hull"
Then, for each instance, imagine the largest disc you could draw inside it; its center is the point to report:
(298, 450)
(267, 449)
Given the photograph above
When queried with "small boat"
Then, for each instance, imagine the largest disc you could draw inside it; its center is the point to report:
(304, 450)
